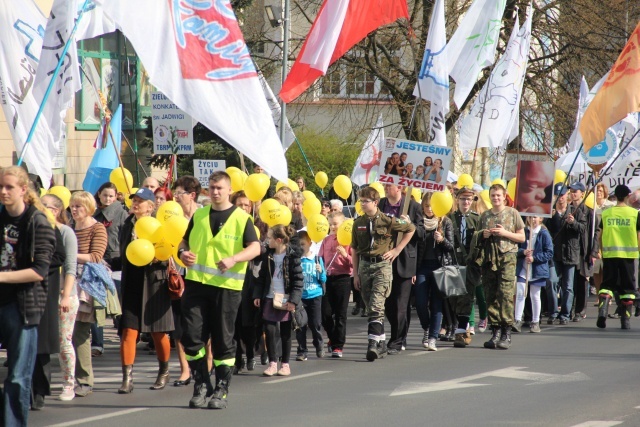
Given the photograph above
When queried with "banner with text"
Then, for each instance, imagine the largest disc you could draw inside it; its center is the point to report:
(629, 176)
(203, 168)
(172, 127)
(414, 164)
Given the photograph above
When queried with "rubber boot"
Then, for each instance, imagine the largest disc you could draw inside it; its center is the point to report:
(163, 376)
(626, 306)
(494, 337)
(223, 378)
(372, 350)
(202, 387)
(505, 338)
(127, 380)
(603, 310)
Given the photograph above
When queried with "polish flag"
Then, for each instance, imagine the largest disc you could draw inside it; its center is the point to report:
(340, 24)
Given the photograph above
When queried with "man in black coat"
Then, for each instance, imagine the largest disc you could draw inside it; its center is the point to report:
(404, 267)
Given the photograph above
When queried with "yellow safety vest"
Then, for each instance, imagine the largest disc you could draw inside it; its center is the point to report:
(619, 235)
(210, 250)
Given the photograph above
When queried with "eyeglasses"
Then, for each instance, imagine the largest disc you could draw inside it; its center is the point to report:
(364, 202)
(466, 199)
(326, 205)
(180, 193)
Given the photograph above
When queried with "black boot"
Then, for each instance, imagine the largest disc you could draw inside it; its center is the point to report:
(382, 349)
(625, 313)
(127, 380)
(163, 376)
(494, 337)
(202, 387)
(372, 350)
(505, 338)
(223, 378)
(603, 310)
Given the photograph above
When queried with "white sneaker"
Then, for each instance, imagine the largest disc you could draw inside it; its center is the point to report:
(472, 330)
(431, 345)
(67, 394)
(425, 339)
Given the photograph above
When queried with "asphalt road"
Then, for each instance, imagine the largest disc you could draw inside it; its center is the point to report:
(575, 375)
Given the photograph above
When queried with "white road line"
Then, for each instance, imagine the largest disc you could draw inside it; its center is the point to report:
(598, 424)
(425, 351)
(99, 417)
(297, 377)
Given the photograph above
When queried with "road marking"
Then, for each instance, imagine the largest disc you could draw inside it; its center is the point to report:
(598, 424)
(425, 351)
(297, 377)
(99, 417)
(514, 372)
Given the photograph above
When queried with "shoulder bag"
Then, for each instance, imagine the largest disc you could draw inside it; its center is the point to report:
(451, 279)
(175, 282)
(299, 318)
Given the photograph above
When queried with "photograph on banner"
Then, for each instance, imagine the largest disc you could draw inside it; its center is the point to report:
(534, 188)
(172, 127)
(511, 162)
(202, 169)
(414, 164)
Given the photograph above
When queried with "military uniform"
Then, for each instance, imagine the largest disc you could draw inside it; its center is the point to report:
(372, 238)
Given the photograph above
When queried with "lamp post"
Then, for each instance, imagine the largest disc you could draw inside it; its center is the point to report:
(277, 18)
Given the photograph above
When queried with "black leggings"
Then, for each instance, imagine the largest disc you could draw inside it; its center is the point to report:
(271, 329)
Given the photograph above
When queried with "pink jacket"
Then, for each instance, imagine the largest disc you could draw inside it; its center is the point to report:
(340, 265)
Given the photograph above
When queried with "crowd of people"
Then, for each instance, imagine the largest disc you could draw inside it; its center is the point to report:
(245, 282)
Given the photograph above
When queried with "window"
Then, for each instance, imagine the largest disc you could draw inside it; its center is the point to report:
(332, 82)
(349, 81)
(360, 82)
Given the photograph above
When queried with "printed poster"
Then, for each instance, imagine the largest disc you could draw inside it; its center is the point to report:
(534, 188)
(172, 127)
(203, 168)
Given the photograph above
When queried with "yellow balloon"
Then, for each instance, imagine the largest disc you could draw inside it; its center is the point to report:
(237, 180)
(122, 179)
(232, 169)
(465, 180)
(590, 200)
(344, 233)
(63, 193)
(342, 185)
(379, 188)
(317, 228)
(485, 198)
(311, 207)
(417, 194)
(511, 189)
(127, 197)
(146, 227)
(167, 210)
(176, 258)
(359, 210)
(321, 179)
(163, 250)
(174, 229)
(291, 184)
(140, 252)
(441, 203)
(270, 212)
(560, 176)
(256, 186)
(308, 195)
(499, 181)
(285, 216)
(42, 192)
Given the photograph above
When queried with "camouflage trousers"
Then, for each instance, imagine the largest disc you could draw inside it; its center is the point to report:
(499, 289)
(375, 286)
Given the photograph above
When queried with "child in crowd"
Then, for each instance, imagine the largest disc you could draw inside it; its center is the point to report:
(314, 279)
(339, 266)
(419, 172)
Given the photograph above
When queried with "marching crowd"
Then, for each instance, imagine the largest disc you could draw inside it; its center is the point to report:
(250, 289)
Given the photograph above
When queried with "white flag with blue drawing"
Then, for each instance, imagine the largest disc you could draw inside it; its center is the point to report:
(495, 113)
(433, 79)
(94, 22)
(473, 46)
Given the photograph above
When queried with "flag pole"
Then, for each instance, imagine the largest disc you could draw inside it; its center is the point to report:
(134, 112)
(113, 142)
(285, 66)
(484, 106)
(50, 87)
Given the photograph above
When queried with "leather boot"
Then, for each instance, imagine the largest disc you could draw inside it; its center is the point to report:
(127, 380)
(505, 338)
(603, 309)
(626, 306)
(202, 387)
(494, 337)
(163, 376)
(382, 349)
(372, 350)
(223, 378)
(463, 338)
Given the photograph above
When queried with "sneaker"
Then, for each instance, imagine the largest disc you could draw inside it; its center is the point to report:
(431, 345)
(83, 390)
(336, 352)
(393, 351)
(301, 357)
(320, 352)
(285, 370)
(403, 348)
(534, 328)
(472, 330)
(271, 370)
(425, 339)
(564, 322)
(67, 393)
(38, 402)
(551, 320)
(482, 325)
(517, 326)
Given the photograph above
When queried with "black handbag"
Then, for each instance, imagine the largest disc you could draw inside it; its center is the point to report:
(299, 318)
(451, 279)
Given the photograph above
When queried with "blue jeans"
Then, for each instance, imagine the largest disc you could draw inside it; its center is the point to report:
(425, 291)
(566, 273)
(21, 342)
(97, 337)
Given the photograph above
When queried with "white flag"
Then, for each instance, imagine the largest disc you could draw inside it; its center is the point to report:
(276, 113)
(473, 46)
(433, 80)
(21, 30)
(195, 54)
(366, 169)
(584, 93)
(67, 81)
(499, 99)
(94, 22)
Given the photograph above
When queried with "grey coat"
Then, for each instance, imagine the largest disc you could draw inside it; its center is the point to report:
(112, 217)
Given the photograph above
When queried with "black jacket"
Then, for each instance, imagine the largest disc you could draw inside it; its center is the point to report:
(569, 238)
(293, 277)
(405, 265)
(444, 250)
(35, 249)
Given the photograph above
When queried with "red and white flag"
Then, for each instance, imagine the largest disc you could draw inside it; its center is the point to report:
(195, 54)
(340, 24)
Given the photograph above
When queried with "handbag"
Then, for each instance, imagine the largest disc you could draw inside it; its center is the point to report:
(175, 282)
(299, 318)
(280, 301)
(451, 279)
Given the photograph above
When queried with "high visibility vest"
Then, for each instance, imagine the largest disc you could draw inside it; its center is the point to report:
(619, 235)
(210, 250)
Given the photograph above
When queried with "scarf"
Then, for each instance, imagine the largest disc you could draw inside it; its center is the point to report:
(431, 224)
